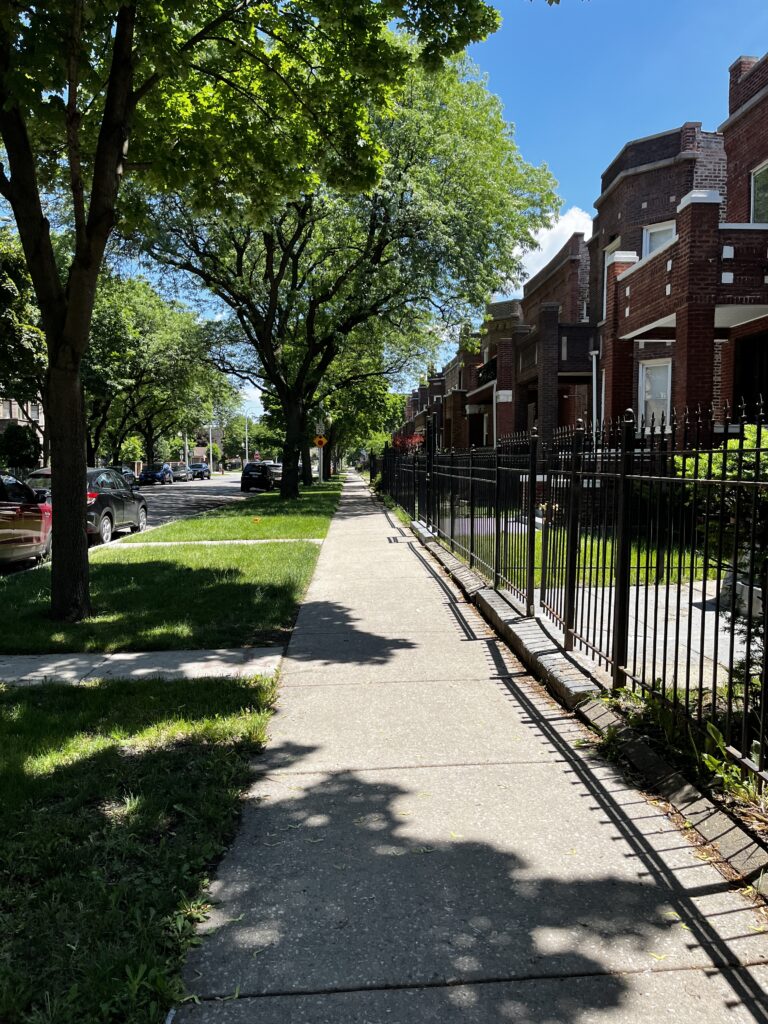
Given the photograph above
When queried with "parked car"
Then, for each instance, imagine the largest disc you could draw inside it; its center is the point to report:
(181, 471)
(157, 473)
(25, 522)
(275, 468)
(200, 470)
(112, 506)
(40, 482)
(256, 475)
(127, 474)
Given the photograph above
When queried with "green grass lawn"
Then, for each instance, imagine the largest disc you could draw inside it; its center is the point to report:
(177, 598)
(116, 800)
(262, 517)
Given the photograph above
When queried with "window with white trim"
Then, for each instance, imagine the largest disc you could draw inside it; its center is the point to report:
(5, 409)
(654, 389)
(760, 195)
(656, 235)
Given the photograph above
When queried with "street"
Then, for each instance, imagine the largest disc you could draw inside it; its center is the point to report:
(169, 502)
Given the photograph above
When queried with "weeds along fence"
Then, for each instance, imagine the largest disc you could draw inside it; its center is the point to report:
(644, 547)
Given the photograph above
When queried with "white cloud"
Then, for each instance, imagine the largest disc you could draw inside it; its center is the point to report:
(251, 399)
(551, 240)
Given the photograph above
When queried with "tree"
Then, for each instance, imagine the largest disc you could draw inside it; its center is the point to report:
(22, 345)
(19, 448)
(374, 278)
(272, 93)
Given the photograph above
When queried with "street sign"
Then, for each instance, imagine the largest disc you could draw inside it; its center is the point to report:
(320, 441)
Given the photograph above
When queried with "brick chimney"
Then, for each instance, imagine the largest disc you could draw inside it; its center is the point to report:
(738, 70)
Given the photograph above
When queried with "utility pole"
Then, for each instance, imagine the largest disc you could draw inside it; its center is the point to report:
(210, 444)
(246, 438)
(186, 449)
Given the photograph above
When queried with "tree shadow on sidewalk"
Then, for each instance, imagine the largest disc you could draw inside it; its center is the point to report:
(352, 881)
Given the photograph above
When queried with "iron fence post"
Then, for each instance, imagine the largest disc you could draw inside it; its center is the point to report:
(471, 510)
(547, 515)
(497, 523)
(623, 550)
(428, 472)
(533, 465)
(572, 536)
(452, 504)
(414, 509)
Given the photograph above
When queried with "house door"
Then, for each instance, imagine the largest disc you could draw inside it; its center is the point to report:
(750, 378)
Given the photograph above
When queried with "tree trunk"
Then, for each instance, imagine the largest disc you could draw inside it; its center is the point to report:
(294, 437)
(306, 464)
(70, 597)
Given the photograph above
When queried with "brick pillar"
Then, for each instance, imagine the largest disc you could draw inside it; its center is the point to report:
(694, 357)
(694, 281)
(519, 391)
(617, 359)
(547, 362)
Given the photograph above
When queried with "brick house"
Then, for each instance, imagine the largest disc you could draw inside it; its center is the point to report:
(685, 300)
(665, 307)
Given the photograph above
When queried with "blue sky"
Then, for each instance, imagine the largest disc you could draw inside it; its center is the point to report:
(580, 79)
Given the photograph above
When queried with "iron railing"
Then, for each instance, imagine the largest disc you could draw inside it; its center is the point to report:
(645, 546)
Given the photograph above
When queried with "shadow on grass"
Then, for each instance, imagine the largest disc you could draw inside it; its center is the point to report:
(116, 798)
(147, 601)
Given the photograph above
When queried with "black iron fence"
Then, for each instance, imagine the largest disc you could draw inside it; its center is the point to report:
(646, 547)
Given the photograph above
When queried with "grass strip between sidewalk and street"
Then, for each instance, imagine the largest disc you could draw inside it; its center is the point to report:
(260, 517)
(116, 798)
(172, 598)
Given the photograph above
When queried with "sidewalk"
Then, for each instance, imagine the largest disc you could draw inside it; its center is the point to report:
(32, 669)
(429, 838)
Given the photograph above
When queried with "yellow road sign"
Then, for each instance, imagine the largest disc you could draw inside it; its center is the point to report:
(320, 441)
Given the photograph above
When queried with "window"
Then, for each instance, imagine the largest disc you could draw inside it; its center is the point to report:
(760, 195)
(34, 411)
(656, 235)
(5, 410)
(654, 389)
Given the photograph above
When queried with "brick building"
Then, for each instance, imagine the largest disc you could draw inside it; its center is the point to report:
(665, 307)
(685, 298)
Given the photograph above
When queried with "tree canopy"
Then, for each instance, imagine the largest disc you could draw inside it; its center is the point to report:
(276, 94)
(369, 281)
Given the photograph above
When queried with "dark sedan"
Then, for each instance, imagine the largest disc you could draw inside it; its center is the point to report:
(200, 470)
(159, 473)
(256, 475)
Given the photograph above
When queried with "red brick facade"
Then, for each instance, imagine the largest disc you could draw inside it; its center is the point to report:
(671, 289)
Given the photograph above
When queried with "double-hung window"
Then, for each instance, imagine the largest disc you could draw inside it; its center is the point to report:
(760, 195)
(656, 235)
(654, 389)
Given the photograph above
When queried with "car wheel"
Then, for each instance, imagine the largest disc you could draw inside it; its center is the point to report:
(141, 523)
(45, 554)
(105, 529)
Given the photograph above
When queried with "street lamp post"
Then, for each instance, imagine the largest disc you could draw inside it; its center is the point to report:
(246, 437)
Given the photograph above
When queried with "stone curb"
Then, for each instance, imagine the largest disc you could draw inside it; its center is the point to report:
(574, 688)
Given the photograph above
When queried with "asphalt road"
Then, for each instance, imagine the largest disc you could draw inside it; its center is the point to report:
(168, 502)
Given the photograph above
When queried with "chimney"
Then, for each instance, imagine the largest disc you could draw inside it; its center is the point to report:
(738, 70)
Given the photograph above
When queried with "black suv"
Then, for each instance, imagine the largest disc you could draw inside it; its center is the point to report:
(256, 475)
(112, 506)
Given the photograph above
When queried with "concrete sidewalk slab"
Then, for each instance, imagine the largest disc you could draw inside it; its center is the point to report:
(358, 879)
(427, 824)
(27, 670)
(691, 997)
(401, 723)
